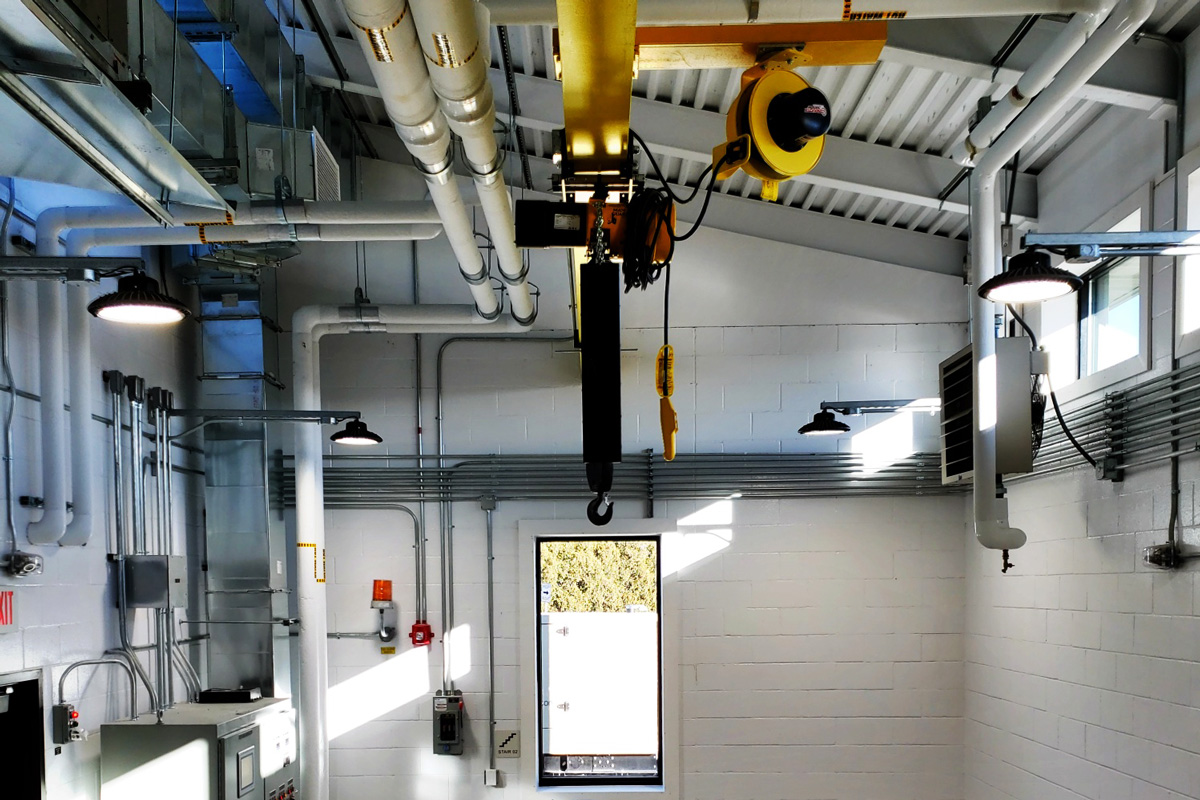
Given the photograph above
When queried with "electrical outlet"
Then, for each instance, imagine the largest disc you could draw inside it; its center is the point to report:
(491, 777)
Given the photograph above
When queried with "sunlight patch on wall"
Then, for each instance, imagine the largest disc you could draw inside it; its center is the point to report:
(377, 691)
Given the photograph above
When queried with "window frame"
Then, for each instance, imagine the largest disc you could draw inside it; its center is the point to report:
(1187, 166)
(597, 782)
(1083, 385)
(529, 533)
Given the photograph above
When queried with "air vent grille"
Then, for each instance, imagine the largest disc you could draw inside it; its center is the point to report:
(957, 417)
(327, 175)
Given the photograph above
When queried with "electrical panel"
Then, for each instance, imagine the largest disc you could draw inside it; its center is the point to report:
(65, 724)
(212, 751)
(156, 581)
(1012, 392)
(448, 723)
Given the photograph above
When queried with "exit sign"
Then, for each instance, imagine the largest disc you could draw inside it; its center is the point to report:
(8, 611)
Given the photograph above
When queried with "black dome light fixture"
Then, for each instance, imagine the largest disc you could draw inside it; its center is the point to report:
(1030, 279)
(138, 301)
(356, 433)
(824, 424)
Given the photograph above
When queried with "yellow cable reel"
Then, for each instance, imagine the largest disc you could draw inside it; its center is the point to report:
(776, 127)
(664, 368)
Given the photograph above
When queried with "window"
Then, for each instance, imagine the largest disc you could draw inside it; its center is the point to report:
(1187, 303)
(599, 661)
(1110, 316)
(1101, 334)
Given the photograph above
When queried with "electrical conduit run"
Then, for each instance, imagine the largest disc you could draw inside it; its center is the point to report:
(991, 510)
(309, 325)
(384, 30)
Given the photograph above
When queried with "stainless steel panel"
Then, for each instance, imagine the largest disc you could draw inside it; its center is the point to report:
(95, 121)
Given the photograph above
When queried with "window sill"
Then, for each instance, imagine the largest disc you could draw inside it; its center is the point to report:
(1129, 368)
(570, 790)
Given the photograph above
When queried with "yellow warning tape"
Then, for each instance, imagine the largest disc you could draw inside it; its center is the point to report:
(850, 15)
(377, 40)
(324, 574)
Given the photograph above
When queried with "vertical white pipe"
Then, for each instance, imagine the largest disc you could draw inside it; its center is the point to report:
(310, 556)
(991, 512)
(53, 522)
(83, 382)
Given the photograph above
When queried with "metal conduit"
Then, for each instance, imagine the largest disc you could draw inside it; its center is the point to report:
(550, 477)
(1121, 427)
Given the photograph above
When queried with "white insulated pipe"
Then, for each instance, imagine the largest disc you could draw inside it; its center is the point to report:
(49, 529)
(53, 223)
(457, 61)
(309, 324)
(1039, 75)
(734, 12)
(384, 30)
(83, 382)
(991, 512)
(81, 241)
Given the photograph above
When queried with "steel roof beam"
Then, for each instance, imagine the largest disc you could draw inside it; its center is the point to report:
(1141, 76)
(848, 165)
(768, 221)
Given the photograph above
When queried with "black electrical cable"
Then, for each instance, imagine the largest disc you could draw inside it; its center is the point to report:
(1053, 398)
(648, 215)
(1012, 187)
(663, 178)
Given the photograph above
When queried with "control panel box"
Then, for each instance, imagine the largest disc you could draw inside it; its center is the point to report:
(156, 581)
(448, 715)
(224, 751)
(65, 724)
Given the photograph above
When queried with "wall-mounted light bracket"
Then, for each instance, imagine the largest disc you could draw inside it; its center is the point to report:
(66, 268)
(855, 408)
(1085, 247)
(211, 415)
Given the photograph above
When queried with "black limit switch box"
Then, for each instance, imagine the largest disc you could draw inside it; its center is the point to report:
(448, 723)
(543, 223)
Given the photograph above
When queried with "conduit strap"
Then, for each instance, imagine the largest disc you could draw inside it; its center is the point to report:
(378, 39)
(850, 15)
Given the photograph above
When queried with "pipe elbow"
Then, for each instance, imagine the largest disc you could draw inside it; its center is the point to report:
(305, 319)
(81, 241)
(50, 225)
(49, 529)
(998, 535)
(78, 531)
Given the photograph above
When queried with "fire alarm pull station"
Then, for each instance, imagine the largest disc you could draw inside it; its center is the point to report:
(448, 723)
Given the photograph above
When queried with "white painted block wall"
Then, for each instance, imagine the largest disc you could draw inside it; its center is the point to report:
(67, 614)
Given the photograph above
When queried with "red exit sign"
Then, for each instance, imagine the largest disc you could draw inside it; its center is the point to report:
(8, 610)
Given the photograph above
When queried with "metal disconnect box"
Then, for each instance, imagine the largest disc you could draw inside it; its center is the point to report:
(156, 581)
(234, 751)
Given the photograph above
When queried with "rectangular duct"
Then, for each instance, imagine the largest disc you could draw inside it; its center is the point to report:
(247, 558)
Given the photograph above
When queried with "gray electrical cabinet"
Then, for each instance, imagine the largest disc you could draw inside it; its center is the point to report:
(214, 751)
